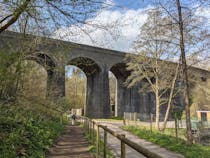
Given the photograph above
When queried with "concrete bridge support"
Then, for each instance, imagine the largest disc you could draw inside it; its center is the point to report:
(131, 100)
(127, 99)
(97, 96)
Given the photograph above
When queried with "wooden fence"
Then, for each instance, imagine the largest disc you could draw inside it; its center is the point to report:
(93, 129)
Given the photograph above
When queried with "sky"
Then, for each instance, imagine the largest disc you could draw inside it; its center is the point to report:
(119, 25)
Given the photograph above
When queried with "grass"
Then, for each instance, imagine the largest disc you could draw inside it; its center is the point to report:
(170, 142)
(109, 120)
(117, 118)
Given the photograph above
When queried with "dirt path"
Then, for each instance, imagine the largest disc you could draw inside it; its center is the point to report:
(72, 144)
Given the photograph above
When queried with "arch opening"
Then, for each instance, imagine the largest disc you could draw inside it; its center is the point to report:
(33, 81)
(121, 73)
(112, 92)
(75, 87)
(30, 77)
(79, 82)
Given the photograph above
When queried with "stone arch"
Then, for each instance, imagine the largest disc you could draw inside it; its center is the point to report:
(43, 59)
(120, 71)
(87, 65)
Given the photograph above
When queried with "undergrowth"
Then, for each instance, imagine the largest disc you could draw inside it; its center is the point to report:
(27, 130)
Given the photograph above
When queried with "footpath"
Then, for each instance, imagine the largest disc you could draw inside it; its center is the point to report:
(114, 144)
(72, 144)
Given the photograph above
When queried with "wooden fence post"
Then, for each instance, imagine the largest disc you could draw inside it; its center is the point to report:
(93, 130)
(122, 147)
(105, 141)
(97, 141)
(130, 118)
(85, 124)
(135, 118)
(151, 120)
(176, 127)
(124, 122)
(89, 122)
(124, 119)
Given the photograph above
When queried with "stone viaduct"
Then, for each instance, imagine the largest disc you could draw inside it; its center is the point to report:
(95, 62)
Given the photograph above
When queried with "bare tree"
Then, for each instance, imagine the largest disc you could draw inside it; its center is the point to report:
(46, 16)
(155, 46)
(192, 38)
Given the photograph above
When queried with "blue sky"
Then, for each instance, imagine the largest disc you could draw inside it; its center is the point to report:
(132, 4)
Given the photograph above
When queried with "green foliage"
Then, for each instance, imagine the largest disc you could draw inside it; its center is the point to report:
(75, 88)
(10, 69)
(170, 142)
(177, 113)
(26, 132)
(117, 118)
(63, 105)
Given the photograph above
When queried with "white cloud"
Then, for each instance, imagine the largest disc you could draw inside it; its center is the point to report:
(204, 12)
(4, 12)
(109, 29)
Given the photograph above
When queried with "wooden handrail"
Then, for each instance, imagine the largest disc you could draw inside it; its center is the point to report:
(133, 145)
(126, 141)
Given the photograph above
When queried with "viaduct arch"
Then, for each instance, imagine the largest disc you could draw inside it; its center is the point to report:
(95, 62)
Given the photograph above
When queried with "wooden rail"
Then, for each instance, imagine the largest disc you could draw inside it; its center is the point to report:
(90, 125)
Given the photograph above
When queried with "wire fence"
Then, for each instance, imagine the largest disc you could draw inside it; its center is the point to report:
(132, 118)
(200, 129)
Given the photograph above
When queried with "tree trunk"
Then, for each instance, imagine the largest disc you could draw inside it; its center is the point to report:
(157, 118)
(170, 98)
(184, 74)
(157, 112)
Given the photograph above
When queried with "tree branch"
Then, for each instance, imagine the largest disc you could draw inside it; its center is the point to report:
(16, 15)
